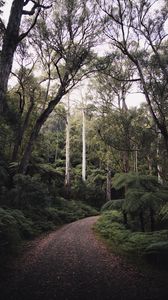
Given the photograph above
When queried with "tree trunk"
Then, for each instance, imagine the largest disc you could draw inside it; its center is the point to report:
(67, 168)
(10, 43)
(108, 189)
(149, 160)
(21, 132)
(56, 148)
(136, 161)
(126, 161)
(159, 167)
(39, 123)
(160, 125)
(83, 147)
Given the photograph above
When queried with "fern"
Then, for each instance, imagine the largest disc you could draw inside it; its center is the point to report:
(113, 205)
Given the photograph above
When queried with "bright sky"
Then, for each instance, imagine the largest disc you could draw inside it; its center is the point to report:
(134, 99)
(6, 10)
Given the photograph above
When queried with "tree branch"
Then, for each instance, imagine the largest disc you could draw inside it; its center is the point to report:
(24, 34)
(35, 6)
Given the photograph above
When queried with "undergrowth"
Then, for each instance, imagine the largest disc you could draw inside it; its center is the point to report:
(151, 246)
(18, 225)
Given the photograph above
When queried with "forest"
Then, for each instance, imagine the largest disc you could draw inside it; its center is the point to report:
(72, 144)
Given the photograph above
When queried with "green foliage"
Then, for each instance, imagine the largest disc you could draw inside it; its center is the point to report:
(17, 225)
(131, 243)
(113, 205)
(143, 193)
(110, 226)
(157, 252)
(49, 170)
(28, 191)
(133, 180)
(74, 210)
(4, 174)
(24, 224)
(92, 190)
(164, 212)
(13, 227)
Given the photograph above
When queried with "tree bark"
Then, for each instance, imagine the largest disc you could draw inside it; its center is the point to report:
(149, 160)
(126, 161)
(136, 161)
(159, 167)
(67, 168)
(39, 123)
(10, 42)
(21, 132)
(83, 147)
(108, 189)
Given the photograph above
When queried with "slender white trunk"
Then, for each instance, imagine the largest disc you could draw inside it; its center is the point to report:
(83, 147)
(149, 160)
(159, 167)
(136, 162)
(67, 167)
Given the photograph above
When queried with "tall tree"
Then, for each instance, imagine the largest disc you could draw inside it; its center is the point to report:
(12, 36)
(71, 33)
(67, 162)
(143, 41)
(83, 141)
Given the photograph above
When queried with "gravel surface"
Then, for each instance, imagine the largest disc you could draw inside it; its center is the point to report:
(72, 264)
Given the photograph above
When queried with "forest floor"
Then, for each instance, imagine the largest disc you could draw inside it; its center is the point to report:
(73, 264)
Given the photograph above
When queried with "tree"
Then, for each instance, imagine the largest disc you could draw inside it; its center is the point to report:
(67, 167)
(143, 41)
(71, 34)
(11, 38)
(27, 91)
(83, 141)
(143, 194)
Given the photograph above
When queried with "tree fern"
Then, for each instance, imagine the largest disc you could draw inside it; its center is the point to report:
(113, 205)
(143, 193)
(121, 180)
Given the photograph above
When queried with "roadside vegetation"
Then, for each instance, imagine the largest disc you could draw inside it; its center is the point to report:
(137, 225)
(70, 139)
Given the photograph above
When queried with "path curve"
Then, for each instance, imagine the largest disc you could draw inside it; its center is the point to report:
(72, 264)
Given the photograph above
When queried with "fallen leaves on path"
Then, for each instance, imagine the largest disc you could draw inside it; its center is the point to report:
(72, 264)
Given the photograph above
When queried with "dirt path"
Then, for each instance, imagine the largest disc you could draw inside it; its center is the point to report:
(72, 264)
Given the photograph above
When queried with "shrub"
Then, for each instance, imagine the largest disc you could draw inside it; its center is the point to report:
(28, 191)
(157, 253)
(151, 245)
(9, 232)
(17, 225)
(113, 205)
(143, 194)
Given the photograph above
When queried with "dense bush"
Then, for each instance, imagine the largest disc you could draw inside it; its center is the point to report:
(13, 227)
(157, 252)
(27, 191)
(144, 197)
(150, 245)
(92, 191)
(113, 205)
(17, 225)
